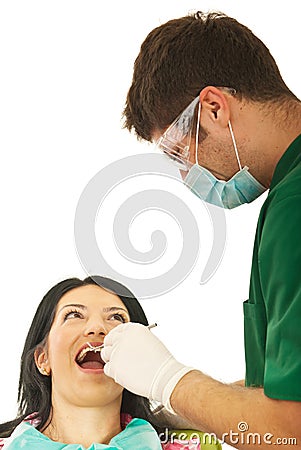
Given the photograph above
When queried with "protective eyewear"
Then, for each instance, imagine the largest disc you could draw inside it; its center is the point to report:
(175, 141)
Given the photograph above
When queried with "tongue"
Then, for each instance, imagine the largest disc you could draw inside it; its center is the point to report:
(92, 365)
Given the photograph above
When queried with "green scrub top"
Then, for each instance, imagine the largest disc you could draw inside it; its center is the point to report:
(272, 314)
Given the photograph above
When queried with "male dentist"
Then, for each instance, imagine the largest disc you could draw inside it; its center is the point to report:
(210, 94)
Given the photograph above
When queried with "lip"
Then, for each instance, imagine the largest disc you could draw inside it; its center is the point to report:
(91, 371)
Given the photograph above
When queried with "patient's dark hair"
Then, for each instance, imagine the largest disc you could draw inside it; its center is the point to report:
(182, 56)
(34, 393)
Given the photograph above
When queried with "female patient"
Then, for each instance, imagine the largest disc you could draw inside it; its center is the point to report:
(65, 399)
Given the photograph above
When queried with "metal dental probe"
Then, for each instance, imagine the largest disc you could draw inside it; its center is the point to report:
(95, 349)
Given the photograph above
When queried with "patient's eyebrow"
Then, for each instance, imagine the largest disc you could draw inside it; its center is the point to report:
(73, 305)
(107, 309)
(114, 308)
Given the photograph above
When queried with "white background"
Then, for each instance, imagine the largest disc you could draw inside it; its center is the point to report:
(65, 71)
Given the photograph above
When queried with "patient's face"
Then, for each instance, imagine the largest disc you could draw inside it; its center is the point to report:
(83, 315)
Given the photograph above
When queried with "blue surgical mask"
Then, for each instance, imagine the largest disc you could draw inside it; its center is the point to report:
(241, 188)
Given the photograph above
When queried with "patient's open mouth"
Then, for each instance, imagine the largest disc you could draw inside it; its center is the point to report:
(89, 356)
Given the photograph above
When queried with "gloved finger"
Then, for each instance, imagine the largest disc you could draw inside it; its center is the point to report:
(106, 353)
(113, 334)
(107, 370)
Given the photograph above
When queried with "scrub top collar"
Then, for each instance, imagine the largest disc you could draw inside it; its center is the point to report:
(287, 162)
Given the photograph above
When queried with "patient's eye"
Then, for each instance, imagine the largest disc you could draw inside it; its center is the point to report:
(120, 317)
(73, 314)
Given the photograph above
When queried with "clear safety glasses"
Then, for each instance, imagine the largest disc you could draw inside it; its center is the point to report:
(175, 141)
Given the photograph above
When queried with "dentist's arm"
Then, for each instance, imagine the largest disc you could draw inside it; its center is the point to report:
(219, 408)
(139, 361)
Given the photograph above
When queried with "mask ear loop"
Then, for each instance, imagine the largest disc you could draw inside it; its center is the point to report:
(234, 144)
(197, 133)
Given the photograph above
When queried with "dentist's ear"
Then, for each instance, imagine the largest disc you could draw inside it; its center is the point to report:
(215, 107)
(41, 360)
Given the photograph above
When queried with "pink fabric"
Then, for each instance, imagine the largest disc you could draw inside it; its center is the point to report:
(31, 419)
(177, 444)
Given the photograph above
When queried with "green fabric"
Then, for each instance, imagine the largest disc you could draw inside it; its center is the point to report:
(272, 314)
(138, 435)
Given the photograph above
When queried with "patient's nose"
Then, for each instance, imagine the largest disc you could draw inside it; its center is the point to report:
(95, 328)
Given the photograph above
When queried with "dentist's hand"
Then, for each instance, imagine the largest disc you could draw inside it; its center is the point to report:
(137, 359)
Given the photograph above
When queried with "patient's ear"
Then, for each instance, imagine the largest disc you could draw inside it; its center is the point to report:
(41, 360)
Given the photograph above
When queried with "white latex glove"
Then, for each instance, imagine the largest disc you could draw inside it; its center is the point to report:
(137, 360)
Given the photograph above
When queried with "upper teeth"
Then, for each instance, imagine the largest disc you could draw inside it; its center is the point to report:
(86, 350)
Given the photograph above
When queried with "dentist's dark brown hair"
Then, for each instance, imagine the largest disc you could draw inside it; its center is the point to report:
(182, 56)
